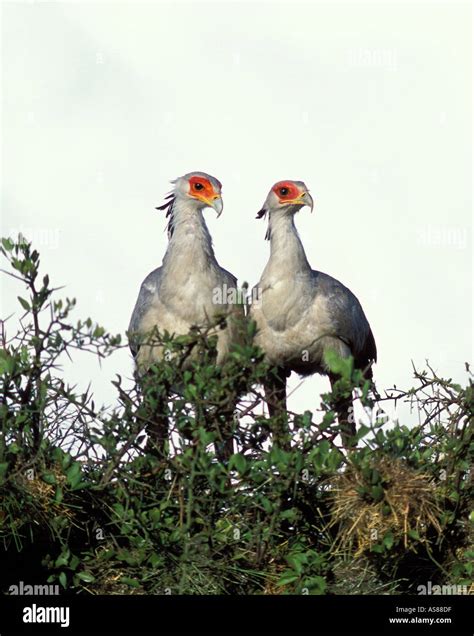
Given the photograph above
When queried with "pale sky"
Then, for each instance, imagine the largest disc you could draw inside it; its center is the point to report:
(368, 104)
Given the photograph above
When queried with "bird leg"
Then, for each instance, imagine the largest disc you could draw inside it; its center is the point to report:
(224, 422)
(345, 415)
(157, 429)
(225, 446)
(275, 396)
(153, 409)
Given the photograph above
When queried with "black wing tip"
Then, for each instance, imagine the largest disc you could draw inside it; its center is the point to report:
(368, 356)
(372, 347)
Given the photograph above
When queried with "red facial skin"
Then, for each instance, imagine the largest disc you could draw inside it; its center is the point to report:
(206, 192)
(293, 191)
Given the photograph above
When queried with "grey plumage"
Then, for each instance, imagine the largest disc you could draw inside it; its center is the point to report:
(190, 289)
(332, 312)
(182, 292)
(301, 313)
(148, 289)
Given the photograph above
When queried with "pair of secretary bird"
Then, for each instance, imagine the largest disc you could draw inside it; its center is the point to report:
(300, 314)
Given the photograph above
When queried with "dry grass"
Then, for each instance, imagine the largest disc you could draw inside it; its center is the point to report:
(409, 503)
(44, 494)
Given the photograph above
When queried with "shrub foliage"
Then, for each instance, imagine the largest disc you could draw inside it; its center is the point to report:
(85, 504)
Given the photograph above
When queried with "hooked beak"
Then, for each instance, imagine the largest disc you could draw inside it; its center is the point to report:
(214, 202)
(302, 199)
(307, 199)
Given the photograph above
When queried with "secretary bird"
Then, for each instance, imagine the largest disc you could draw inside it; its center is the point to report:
(181, 294)
(302, 313)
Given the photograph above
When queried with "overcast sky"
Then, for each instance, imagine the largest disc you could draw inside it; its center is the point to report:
(368, 104)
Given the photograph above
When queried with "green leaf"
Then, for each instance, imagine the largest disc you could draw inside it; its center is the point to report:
(63, 579)
(87, 577)
(362, 431)
(128, 581)
(6, 362)
(296, 561)
(287, 577)
(277, 455)
(323, 448)
(7, 244)
(206, 437)
(62, 559)
(290, 514)
(315, 585)
(48, 478)
(377, 548)
(413, 534)
(388, 540)
(98, 332)
(377, 493)
(338, 365)
(266, 505)
(3, 470)
(74, 562)
(58, 495)
(239, 461)
(73, 475)
(155, 560)
(24, 303)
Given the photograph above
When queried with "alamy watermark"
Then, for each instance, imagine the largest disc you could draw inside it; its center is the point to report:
(24, 589)
(373, 58)
(46, 237)
(39, 614)
(442, 590)
(227, 295)
(442, 236)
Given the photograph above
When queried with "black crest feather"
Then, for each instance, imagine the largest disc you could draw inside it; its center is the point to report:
(261, 214)
(168, 206)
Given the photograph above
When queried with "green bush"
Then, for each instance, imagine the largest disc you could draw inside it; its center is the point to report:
(83, 503)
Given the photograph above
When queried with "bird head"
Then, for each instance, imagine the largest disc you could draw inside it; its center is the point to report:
(200, 189)
(287, 197)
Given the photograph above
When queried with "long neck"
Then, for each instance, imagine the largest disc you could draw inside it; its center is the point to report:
(286, 250)
(190, 244)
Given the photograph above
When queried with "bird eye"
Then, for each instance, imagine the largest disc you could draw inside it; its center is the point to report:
(284, 191)
(198, 186)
